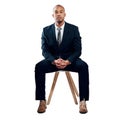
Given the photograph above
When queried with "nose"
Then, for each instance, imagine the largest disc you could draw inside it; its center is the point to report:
(58, 14)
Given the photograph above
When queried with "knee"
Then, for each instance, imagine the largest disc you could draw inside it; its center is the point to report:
(38, 67)
(84, 66)
(42, 65)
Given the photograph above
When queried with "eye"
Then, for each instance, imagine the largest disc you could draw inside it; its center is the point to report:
(61, 11)
(56, 12)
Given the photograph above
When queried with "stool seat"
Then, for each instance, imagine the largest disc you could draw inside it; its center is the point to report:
(71, 84)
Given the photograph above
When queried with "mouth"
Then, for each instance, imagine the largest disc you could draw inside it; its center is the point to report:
(58, 17)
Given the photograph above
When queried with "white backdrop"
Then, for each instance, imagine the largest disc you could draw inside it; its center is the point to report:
(21, 23)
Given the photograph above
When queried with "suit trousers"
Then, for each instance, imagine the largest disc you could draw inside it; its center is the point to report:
(78, 66)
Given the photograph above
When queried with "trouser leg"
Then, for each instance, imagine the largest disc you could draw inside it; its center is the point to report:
(40, 85)
(84, 82)
(81, 68)
(41, 69)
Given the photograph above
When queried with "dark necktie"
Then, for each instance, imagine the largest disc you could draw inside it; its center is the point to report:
(59, 36)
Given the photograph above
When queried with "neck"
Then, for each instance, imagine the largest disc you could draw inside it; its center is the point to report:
(59, 24)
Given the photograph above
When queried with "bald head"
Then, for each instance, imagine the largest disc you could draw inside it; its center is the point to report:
(57, 6)
(59, 14)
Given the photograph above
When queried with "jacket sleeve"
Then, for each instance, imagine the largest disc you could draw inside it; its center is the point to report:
(77, 47)
(45, 49)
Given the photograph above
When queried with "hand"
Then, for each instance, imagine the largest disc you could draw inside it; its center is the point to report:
(61, 64)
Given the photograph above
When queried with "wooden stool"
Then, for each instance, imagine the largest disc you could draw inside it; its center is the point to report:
(71, 84)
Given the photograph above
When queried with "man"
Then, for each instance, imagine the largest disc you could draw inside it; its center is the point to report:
(61, 47)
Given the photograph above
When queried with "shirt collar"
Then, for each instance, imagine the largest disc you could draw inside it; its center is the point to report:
(60, 27)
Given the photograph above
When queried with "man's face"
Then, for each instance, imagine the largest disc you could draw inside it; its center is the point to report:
(59, 14)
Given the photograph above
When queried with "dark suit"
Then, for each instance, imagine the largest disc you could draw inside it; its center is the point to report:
(69, 49)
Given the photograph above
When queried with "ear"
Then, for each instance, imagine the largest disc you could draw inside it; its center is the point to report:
(65, 14)
(53, 15)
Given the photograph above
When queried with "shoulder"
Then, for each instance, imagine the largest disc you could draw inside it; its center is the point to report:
(49, 27)
(72, 26)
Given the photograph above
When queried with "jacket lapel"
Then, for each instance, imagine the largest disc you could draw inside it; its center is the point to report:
(65, 33)
(53, 34)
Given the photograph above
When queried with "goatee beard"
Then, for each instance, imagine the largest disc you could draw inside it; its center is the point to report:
(59, 22)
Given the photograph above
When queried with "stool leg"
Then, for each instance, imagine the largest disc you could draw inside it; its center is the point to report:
(71, 86)
(52, 87)
(75, 89)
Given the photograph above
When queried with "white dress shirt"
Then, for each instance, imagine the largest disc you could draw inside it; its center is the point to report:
(62, 30)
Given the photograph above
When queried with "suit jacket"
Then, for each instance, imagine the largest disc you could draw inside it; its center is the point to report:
(70, 47)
